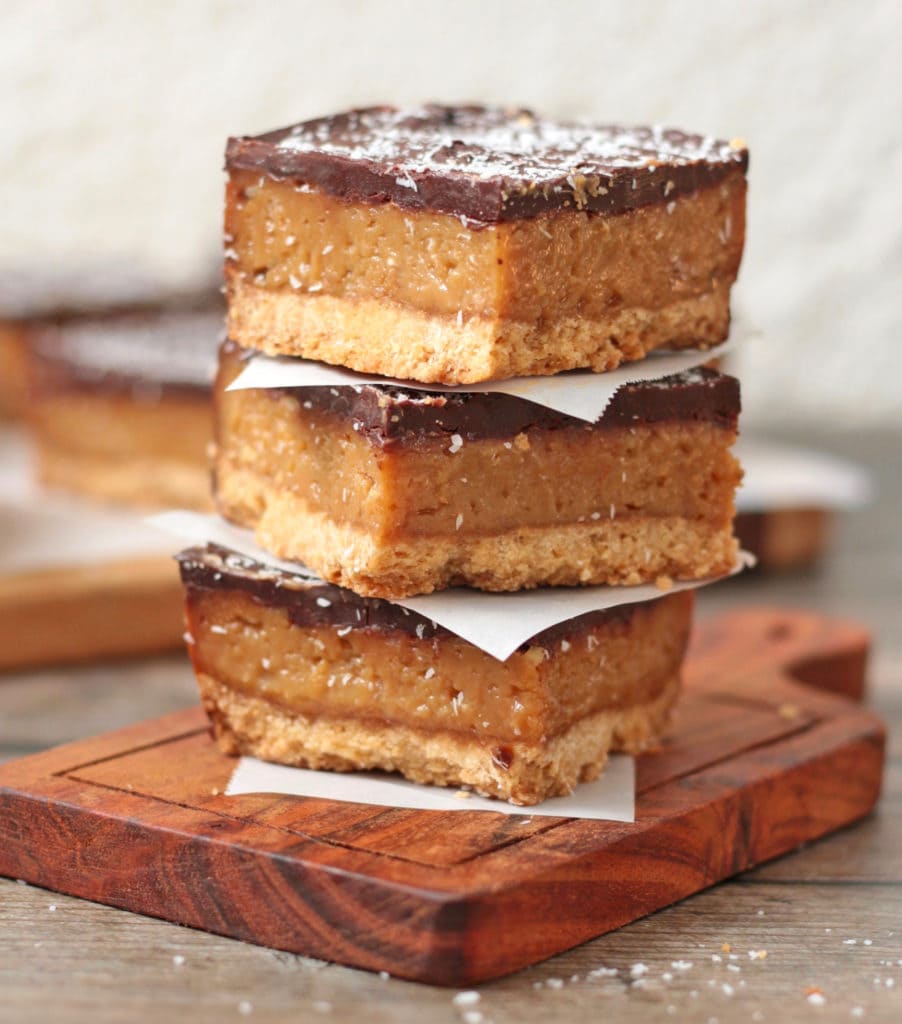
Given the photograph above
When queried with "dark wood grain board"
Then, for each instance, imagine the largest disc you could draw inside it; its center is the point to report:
(755, 765)
(73, 610)
(82, 613)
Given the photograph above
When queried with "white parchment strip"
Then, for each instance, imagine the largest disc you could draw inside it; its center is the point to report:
(496, 623)
(58, 534)
(17, 478)
(779, 476)
(610, 798)
(43, 529)
(579, 393)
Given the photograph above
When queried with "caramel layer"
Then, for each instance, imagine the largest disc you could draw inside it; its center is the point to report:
(285, 650)
(563, 263)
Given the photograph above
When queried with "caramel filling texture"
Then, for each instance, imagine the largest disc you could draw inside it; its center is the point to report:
(290, 236)
(442, 684)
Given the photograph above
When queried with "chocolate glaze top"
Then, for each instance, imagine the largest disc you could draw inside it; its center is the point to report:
(155, 349)
(487, 164)
(389, 416)
(311, 602)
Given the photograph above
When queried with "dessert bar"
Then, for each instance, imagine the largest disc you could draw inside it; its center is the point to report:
(120, 407)
(462, 244)
(394, 493)
(13, 372)
(785, 538)
(297, 671)
(34, 298)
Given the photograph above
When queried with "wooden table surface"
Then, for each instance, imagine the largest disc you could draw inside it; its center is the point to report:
(828, 918)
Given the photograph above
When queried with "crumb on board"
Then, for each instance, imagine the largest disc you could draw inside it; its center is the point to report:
(468, 998)
(815, 995)
(789, 711)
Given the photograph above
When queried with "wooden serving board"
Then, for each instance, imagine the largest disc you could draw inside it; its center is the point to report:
(86, 612)
(756, 764)
(69, 605)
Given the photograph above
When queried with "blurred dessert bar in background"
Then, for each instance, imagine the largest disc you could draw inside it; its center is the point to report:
(120, 405)
(32, 298)
(785, 538)
(110, 369)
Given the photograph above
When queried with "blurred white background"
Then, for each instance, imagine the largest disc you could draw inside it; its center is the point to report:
(115, 115)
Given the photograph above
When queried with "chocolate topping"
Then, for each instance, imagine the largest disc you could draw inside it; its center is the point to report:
(309, 601)
(487, 164)
(170, 350)
(389, 415)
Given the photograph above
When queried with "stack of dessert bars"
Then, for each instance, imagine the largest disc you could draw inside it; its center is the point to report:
(454, 248)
